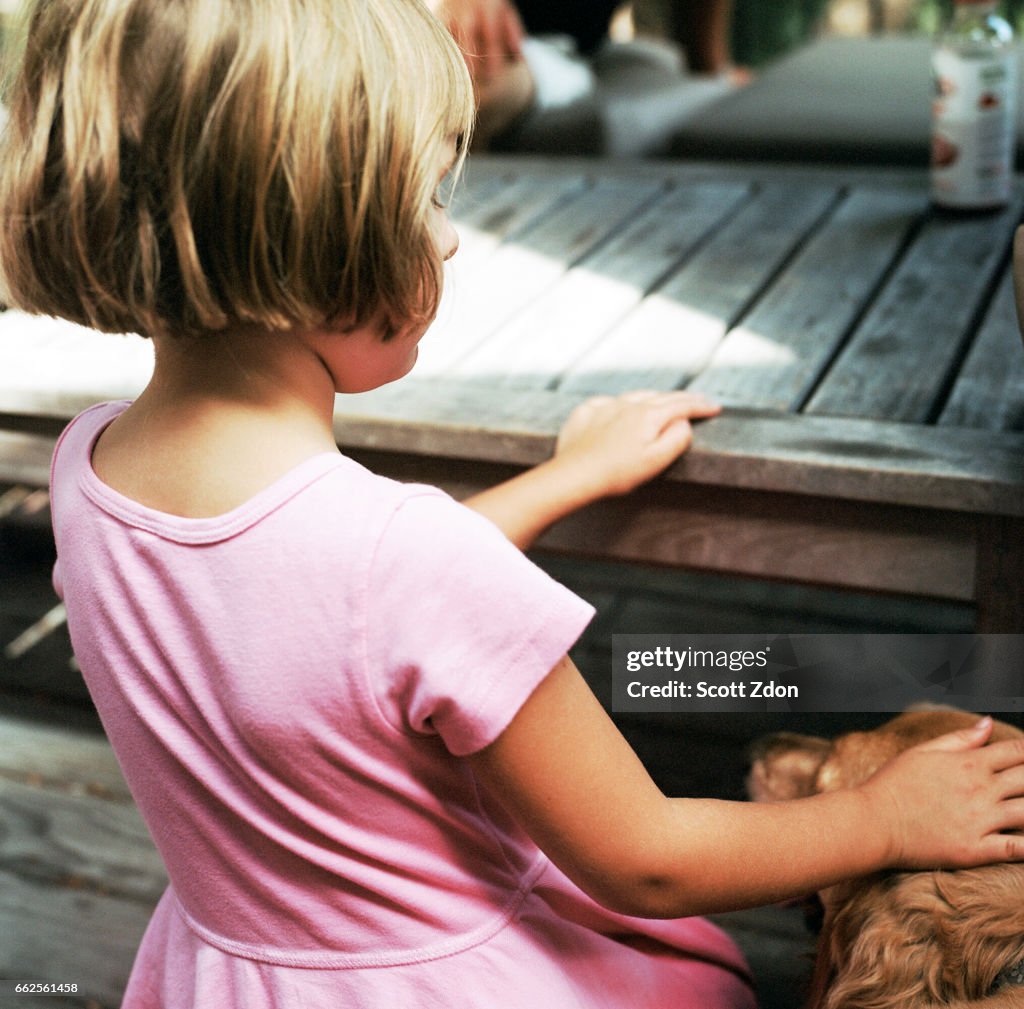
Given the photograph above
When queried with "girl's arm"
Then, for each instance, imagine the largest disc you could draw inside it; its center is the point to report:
(608, 446)
(577, 788)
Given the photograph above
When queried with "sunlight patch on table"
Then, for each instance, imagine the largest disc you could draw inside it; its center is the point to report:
(480, 304)
(661, 344)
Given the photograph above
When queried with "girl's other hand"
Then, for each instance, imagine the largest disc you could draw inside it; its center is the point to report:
(952, 801)
(620, 442)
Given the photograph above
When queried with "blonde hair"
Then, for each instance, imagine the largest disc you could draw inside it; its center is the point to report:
(184, 166)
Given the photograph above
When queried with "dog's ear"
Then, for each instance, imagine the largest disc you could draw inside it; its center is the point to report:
(784, 766)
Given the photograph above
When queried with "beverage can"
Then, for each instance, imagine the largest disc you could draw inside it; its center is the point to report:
(974, 119)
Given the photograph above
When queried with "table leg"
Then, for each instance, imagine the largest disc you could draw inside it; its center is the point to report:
(1000, 574)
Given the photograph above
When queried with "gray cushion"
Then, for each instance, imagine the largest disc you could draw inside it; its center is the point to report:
(838, 99)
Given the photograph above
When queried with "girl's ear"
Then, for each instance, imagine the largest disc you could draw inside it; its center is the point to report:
(785, 765)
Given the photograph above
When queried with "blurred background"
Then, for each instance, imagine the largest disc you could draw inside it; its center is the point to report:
(761, 32)
(764, 31)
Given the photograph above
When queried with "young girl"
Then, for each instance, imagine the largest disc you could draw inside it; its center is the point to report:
(343, 704)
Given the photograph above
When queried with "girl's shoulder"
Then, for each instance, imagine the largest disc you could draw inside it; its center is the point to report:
(74, 446)
(90, 422)
(330, 496)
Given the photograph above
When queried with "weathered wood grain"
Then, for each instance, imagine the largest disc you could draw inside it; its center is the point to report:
(25, 458)
(519, 271)
(79, 875)
(777, 536)
(68, 934)
(775, 356)
(871, 461)
(672, 334)
(544, 237)
(59, 756)
(497, 209)
(902, 356)
(989, 390)
(540, 343)
(965, 470)
(675, 171)
(786, 540)
(61, 839)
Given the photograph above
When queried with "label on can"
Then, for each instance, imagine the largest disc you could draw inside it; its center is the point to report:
(973, 123)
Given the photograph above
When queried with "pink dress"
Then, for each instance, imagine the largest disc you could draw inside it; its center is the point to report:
(290, 688)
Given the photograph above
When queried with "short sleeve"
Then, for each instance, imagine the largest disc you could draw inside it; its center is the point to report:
(461, 626)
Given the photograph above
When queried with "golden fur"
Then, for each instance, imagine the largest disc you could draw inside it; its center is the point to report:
(901, 940)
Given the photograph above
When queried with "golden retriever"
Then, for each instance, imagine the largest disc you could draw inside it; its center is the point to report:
(902, 940)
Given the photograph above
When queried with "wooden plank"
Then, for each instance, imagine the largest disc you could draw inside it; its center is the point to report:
(989, 391)
(677, 170)
(671, 335)
(474, 188)
(775, 356)
(59, 756)
(965, 470)
(521, 270)
(82, 841)
(789, 537)
(537, 345)
(782, 538)
(471, 191)
(499, 209)
(901, 357)
(25, 458)
(69, 934)
(79, 875)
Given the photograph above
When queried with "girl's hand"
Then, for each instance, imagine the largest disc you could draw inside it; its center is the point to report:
(608, 445)
(620, 442)
(948, 802)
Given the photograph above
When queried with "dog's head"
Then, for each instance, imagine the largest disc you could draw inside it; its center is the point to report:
(909, 939)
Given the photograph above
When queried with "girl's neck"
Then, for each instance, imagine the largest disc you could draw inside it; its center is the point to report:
(263, 373)
(218, 422)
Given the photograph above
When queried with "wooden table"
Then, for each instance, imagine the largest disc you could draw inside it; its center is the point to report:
(866, 349)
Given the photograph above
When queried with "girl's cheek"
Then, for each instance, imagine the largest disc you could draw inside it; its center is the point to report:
(446, 235)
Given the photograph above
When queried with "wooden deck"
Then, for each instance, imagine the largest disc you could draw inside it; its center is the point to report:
(78, 873)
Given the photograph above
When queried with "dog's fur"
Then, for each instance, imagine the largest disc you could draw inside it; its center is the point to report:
(901, 940)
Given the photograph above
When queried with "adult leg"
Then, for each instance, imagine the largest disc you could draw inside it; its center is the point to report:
(702, 28)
